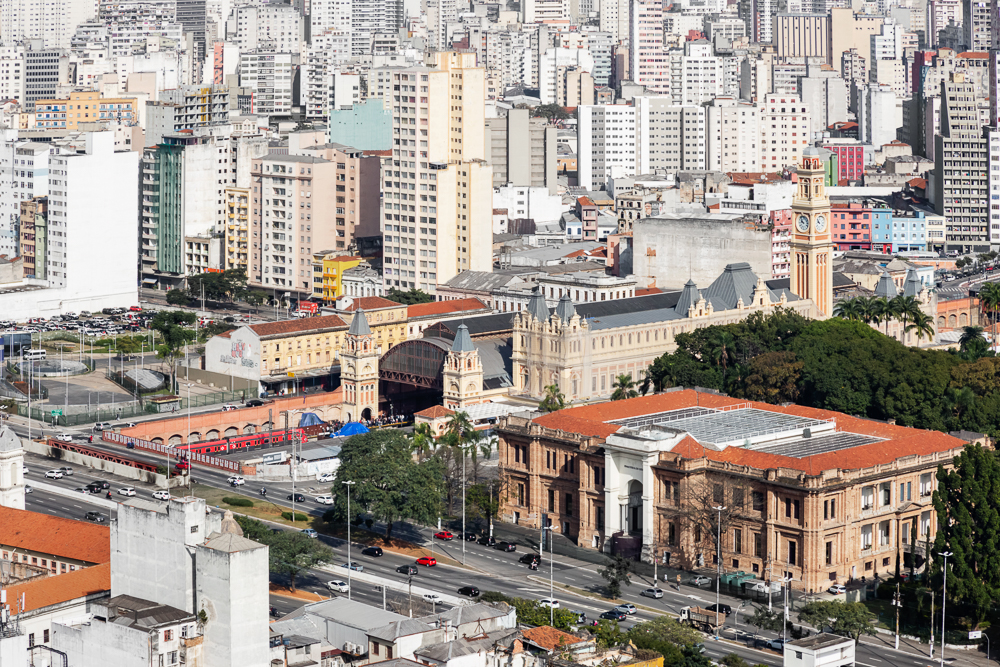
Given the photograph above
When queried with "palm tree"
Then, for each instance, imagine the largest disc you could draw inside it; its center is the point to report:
(882, 311)
(922, 325)
(722, 351)
(905, 309)
(554, 399)
(849, 309)
(989, 303)
(624, 388)
(866, 309)
(972, 337)
(422, 442)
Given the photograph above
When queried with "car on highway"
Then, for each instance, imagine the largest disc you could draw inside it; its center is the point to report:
(723, 608)
(443, 535)
(505, 546)
(655, 593)
(100, 426)
(236, 480)
(700, 580)
(299, 498)
(161, 495)
(325, 499)
(338, 586)
(94, 516)
(778, 644)
(470, 537)
(24, 470)
(54, 474)
(67, 471)
(124, 425)
(310, 532)
(325, 477)
(354, 565)
(837, 589)
(487, 541)
(471, 591)
(254, 403)
(65, 436)
(628, 608)
(126, 491)
(408, 570)
(432, 597)
(228, 407)
(427, 561)
(80, 489)
(28, 489)
(98, 485)
(528, 559)
(613, 615)
(375, 552)
(549, 603)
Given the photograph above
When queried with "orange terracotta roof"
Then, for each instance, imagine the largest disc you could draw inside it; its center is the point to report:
(434, 412)
(300, 325)
(550, 638)
(370, 303)
(47, 591)
(66, 538)
(585, 201)
(753, 177)
(446, 307)
(499, 211)
(973, 55)
(646, 291)
(918, 183)
(898, 441)
(376, 153)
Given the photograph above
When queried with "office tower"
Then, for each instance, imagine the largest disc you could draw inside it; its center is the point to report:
(191, 15)
(436, 215)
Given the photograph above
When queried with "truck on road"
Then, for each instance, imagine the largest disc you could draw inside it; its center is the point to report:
(708, 621)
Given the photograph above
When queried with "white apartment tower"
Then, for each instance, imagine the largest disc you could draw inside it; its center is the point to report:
(733, 135)
(648, 56)
(784, 131)
(674, 135)
(437, 220)
(608, 143)
(52, 21)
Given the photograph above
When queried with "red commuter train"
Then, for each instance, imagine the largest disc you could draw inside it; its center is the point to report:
(243, 442)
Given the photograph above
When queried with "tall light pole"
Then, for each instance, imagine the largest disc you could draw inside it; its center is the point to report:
(463, 503)
(944, 600)
(190, 451)
(549, 528)
(718, 557)
(348, 483)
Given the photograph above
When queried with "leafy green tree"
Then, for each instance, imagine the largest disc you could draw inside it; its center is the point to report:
(765, 619)
(255, 297)
(772, 377)
(609, 634)
(554, 399)
(668, 637)
(217, 286)
(389, 484)
(624, 388)
(973, 341)
(481, 502)
(254, 530)
(175, 333)
(550, 112)
(850, 619)
(531, 613)
(214, 329)
(733, 660)
(177, 297)
(409, 298)
(616, 572)
(292, 552)
(423, 441)
(969, 527)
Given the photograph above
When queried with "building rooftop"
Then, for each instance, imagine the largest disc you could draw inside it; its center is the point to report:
(470, 305)
(819, 641)
(65, 538)
(370, 303)
(42, 592)
(145, 614)
(778, 440)
(299, 326)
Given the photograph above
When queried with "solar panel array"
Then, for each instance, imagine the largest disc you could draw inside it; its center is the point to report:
(818, 445)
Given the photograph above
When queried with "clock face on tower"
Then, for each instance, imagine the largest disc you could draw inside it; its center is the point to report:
(803, 223)
(820, 223)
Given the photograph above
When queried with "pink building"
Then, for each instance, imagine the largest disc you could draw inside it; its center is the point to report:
(850, 161)
(781, 234)
(851, 226)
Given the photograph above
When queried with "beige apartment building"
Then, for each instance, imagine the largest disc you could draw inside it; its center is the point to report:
(85, 107)
(236, 229)
(784, 131)
(521, 151)
(436, 190)
(293, 212)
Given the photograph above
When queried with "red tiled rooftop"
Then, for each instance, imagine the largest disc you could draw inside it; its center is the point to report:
(445, 307)
(285, 327)
(898, 441)
(550, 638)
(434, 412)
(47, 591)
(646, 291)
(752, 177)
(65, 538)
(370, 303)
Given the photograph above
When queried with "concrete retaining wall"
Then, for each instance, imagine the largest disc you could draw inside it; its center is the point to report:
(95, 463)
(94, 499)
(340, 573)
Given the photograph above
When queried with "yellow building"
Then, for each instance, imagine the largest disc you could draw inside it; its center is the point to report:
(328, 267)
(237, 228)
(85, 107)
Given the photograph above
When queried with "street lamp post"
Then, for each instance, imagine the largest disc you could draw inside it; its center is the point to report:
(944, 600)
(718, 557)
(550, 528)
(348, 483)
(190, 452)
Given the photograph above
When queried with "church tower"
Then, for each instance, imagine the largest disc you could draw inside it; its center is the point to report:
(11, 469)
(812, 244)
(463, 372)
(359, 371)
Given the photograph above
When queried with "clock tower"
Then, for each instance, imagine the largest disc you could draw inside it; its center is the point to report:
(812, 243)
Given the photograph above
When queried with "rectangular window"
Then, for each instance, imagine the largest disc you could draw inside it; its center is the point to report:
(552, 500)
(520, 493)
(568, 508)
(45, 636)
(374, 648)
(388, 653)
(792, 552)
(738, 498)
(718, 495)
(885, 493)
(758, 545)
(867, 497)
(757, 497)
(826, 510)
(926, 484)
(738, 540)
(909, 488)
(829, 553)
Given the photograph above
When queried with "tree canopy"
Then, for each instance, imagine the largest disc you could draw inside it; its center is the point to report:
(217, 285)
(410, 298)
(388, 483)
(289, 552)
(850, 619)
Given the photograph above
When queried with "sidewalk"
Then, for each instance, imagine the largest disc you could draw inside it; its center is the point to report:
(954, 656)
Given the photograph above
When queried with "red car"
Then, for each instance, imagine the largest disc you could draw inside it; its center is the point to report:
(427, 560)
(443, 535)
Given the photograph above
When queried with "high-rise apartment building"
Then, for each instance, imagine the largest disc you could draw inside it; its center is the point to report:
(42, 68)
(191, 15)
(436, 218)
(52, 22)
(648, 56)
(608, 143)
(674, 136)
(271, 77)
(522, 150)
(733, 135)
(784, 131)
(186, 108)
(34, 236)
(236, 229)
(267, 27)
(539, 11)
(960, 170)
(24, 175)
(758, 16)
(439, 14)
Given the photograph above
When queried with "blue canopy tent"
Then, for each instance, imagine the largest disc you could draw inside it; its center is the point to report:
(352, 428)
(309, 419)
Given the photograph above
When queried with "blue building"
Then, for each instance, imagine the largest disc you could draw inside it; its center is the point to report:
(366, 126)
(909, 231)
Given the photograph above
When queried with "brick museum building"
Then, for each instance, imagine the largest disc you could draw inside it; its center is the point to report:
(817, 496)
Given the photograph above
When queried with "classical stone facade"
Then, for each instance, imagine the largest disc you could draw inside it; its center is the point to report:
(584, 356)
(642, 476)
(359, 371)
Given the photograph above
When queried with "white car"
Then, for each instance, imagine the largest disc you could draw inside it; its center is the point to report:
(236, 480)
(65, 437)
(325, 477)
(24, 469)
(126, 491)
(700, 580)
(548, 602)
(432, 597)
(161, 495)
(338, 586)
(628, 608)
(837, 589)
(655, 593)
(324, 500)
(28, 489)
(54, 474)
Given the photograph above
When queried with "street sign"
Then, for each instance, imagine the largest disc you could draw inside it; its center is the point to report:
(975, 634)
(57, 413)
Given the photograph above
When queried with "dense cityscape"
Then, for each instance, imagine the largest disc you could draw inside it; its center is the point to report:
(613, 332)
